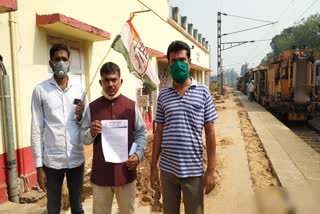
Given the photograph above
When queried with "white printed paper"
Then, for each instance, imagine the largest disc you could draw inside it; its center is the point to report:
(114, 139)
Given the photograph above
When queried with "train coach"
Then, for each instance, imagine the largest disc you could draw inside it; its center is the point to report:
(289, 84)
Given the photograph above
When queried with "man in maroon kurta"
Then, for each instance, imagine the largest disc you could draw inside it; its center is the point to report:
(108, 178)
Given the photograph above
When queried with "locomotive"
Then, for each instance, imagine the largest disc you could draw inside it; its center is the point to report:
(288, 85)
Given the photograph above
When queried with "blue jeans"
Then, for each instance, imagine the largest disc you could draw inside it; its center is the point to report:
(54, 186)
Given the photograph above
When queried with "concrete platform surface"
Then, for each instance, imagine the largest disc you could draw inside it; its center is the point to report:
(295, 163)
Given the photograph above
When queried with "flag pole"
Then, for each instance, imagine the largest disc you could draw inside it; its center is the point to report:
(94, 76)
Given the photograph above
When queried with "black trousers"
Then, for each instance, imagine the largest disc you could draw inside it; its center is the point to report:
(54, 186)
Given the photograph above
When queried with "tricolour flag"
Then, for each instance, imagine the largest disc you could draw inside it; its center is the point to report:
(129, 44)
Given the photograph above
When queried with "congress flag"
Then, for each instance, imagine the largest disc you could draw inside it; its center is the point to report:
(129, 44)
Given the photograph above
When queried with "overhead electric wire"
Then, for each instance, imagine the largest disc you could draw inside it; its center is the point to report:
(242, 17)
(306, 9)
(285, 10)
(239, 31)
(280, 16)
(250, 55)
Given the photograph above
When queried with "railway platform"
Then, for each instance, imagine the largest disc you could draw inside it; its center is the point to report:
(296, 164)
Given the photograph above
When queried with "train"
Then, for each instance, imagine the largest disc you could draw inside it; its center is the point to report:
(288, 85)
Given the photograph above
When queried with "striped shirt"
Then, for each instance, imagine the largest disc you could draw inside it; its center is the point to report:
(183, 118)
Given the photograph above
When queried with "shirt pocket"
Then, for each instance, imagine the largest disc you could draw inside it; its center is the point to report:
(196, 115)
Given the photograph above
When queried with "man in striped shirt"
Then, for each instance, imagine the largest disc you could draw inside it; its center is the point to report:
(183, 109)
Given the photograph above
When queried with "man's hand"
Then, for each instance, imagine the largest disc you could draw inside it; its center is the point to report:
(95, 128)
(42, 178)
(132, 162)
(209, 181)
(79, 111)
(154, 179)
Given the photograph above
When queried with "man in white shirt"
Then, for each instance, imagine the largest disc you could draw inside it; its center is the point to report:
(55, 130)
(251, 90)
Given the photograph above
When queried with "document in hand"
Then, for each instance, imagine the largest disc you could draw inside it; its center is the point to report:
(114, 138)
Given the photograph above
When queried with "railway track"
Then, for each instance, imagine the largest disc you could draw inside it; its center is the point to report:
(307, 134)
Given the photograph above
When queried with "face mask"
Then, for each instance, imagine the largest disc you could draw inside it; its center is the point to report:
(110, 97)
(179, 71)
(61, 69)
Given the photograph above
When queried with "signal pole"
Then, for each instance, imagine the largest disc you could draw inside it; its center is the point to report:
(221, 45)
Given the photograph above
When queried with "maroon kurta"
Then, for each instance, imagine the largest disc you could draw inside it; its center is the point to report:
(105, 173)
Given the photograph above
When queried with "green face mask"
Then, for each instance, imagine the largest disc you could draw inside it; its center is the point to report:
(179, 71)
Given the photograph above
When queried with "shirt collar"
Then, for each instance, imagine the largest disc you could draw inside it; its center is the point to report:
(194, 83)
(54, 82)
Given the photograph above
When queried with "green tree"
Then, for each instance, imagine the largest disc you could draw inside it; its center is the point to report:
(244, 69)
(306, 33)
(230, 77)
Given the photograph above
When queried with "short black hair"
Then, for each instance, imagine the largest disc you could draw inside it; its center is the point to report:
(110, 68)
(176, 46)
(58, 47)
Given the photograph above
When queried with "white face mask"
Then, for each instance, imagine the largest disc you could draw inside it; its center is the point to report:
(110, 97)
(61, 69)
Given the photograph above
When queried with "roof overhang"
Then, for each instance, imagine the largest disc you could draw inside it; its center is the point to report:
(199, 68)
(8, 6)
(163, 58)
(64, 25)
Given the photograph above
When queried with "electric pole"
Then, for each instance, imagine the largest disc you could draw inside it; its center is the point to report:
(221, 45)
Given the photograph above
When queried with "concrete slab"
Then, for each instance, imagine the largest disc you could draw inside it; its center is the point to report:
(294, 162)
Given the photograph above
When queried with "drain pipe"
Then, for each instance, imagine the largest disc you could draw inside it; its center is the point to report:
(13, 189)
(16, 88)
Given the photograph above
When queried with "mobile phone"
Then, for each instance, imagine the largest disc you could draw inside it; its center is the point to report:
(76, 101)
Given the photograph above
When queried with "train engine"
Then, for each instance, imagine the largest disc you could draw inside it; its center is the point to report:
(287, 84)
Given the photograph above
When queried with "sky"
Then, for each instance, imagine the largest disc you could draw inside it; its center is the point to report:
(203, 15)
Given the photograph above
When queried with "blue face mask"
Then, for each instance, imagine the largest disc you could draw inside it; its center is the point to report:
(179, 71)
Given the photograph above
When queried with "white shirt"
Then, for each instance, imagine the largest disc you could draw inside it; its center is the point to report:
(251, 87)
(55, 133)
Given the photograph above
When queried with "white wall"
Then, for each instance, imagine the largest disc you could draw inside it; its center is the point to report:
(107, 15)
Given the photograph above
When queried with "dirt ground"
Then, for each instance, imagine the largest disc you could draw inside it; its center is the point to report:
(145, 194)
(259, 166)
(269, 197)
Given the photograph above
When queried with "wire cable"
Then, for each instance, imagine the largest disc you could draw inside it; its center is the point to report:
(306, 10)
(239, 31)
(242, 17)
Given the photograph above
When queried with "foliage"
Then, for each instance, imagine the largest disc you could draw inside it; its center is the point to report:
(148, 85)
(230, 77)
(244, 69)
(213, 86)
(306, 33)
